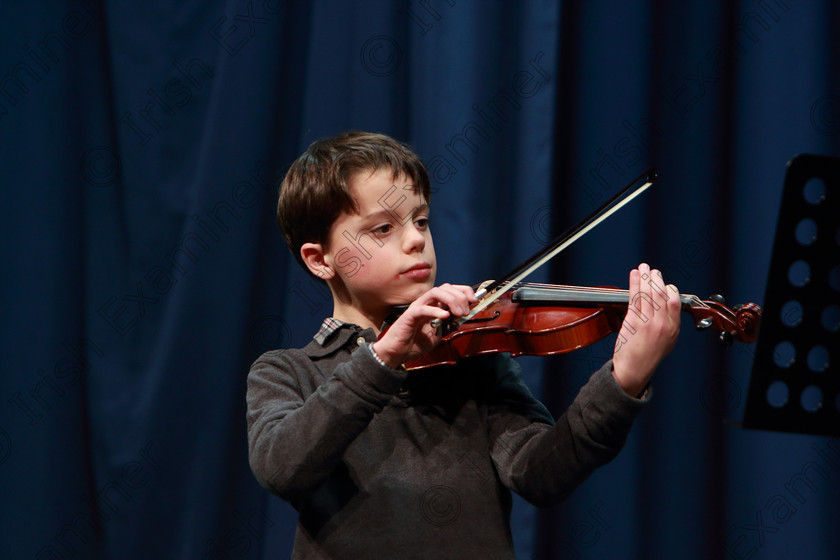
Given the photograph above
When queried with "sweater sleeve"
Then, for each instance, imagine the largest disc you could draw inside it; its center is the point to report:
(544, 461)
(296, 436)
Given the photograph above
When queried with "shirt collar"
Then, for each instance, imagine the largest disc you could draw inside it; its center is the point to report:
(335, 335)
(329, 327)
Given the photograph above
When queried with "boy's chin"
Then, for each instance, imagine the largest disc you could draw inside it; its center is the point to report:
(407, 296)
(421, 288)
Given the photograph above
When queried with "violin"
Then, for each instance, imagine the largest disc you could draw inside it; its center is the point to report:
(545, 319)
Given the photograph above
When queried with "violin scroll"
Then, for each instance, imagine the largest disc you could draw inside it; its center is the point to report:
(738, 324)
(748, 317)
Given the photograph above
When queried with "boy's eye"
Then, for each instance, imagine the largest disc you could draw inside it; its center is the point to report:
(422, 222)
(382, 230)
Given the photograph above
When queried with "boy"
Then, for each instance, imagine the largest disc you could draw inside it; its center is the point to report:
(380, 463)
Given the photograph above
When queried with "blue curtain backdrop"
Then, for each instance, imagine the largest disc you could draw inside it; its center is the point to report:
(142, 270)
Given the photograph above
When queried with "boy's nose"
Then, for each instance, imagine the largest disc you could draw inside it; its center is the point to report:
(414, 240)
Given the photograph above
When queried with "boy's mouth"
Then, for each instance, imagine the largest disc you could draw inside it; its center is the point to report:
(419, 271)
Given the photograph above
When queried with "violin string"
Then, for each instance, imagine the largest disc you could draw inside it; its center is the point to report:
(687, 299)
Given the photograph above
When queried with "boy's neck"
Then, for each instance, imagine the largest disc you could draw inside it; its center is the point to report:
(348, 309)
(351, 314)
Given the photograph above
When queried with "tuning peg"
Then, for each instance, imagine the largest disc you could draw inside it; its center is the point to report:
(726, 338)
(704, 323)
(718, 298)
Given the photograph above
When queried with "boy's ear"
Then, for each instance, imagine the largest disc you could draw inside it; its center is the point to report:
(313, 255)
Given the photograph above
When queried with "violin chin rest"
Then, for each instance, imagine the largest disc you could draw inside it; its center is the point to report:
(395, 313)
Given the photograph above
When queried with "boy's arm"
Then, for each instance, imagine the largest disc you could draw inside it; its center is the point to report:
(544, 463)
(296, 441)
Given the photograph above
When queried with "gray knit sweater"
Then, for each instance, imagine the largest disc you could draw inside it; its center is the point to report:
(384, 464)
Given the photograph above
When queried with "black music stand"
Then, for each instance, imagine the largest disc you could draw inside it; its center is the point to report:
(795, 381)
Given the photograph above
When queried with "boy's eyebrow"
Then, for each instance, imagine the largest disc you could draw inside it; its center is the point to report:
(392, 213)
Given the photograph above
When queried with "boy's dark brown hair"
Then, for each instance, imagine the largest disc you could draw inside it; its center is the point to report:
(316, 189)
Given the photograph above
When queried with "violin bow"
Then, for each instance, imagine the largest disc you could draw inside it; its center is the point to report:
(493, 291)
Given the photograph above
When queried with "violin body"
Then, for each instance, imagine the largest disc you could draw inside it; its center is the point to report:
(506, 326)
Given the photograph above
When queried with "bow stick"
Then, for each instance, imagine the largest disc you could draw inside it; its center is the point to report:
(493, 291)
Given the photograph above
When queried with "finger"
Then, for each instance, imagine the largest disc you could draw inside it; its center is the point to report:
(653, 290)
(469, 293)
(645, 296)
(667, 297)
(652, 296)
(454, 298)
(426, 308)
(466, 295)
(659, 296)
(434, 304)
(674, 306)
(435, 312)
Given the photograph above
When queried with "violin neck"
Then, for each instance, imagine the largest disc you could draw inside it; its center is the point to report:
(553, 294)
(740, 323)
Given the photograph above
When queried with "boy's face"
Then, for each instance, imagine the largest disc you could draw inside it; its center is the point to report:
(383, 254)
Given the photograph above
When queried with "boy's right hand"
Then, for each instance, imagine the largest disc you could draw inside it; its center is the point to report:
(412, 335)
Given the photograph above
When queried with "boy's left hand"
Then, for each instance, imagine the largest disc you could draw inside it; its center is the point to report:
(649, 330)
